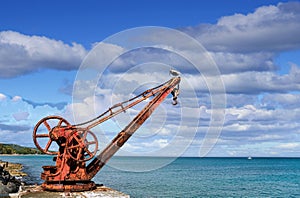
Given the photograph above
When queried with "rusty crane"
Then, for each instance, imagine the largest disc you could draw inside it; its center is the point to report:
(77, 144)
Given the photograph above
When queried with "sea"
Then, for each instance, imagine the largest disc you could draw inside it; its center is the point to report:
(187, 176)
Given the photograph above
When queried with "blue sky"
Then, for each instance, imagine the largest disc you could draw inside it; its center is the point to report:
(255, 45)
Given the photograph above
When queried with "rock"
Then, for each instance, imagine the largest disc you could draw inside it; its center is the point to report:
(8, 183)
(13, 168)
(10, 187)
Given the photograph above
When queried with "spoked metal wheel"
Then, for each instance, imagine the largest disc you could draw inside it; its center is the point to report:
(41, 133)
(82, 145)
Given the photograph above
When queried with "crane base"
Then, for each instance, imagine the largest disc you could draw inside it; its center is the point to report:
(69, 186)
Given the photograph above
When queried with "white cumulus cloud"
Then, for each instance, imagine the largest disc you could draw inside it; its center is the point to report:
(21, 54)
(268, 28)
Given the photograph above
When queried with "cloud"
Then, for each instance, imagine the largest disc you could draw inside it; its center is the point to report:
(22, 54)
(281, 100)
(259, 125)
(19, 99)
(16, 98)
(250, 82)
(21, 115)
(245, 43)
(243, 62)
(267, 137)
(59, 105)
(15, 133)
(238, 43)
(14, 128)
(2, 97)
(290, 145)
(270, 28)
(158, 143)
(245, 49)
(258, 82)
(262, 113)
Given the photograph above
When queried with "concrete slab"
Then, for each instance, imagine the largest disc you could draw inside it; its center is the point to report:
(38, 192)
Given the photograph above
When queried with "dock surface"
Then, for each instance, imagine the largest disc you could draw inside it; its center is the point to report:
(38, 192)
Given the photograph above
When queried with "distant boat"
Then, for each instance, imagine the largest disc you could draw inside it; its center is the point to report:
(249, 158)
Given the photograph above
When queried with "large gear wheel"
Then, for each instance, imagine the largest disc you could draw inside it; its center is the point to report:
(82, 145)
(42, 133)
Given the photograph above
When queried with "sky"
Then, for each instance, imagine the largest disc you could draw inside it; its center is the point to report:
(239, 62)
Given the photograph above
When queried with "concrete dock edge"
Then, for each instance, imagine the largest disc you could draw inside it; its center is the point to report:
(35, 191)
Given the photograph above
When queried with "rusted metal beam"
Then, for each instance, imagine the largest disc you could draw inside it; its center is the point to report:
(126, 133)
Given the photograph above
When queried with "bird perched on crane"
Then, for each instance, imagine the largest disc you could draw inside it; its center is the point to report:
(174, 72)
(175, 91)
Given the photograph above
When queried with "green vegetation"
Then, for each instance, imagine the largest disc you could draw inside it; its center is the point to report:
(16, 149)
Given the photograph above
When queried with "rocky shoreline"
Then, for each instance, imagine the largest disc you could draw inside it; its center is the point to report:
(15, 169)
(10, 174)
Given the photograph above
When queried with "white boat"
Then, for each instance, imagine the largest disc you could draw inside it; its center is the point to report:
(249, 158)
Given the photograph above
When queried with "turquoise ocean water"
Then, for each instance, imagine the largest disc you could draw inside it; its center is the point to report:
(191, 177)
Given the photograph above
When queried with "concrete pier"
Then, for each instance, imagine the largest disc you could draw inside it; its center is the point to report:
(38, 192)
